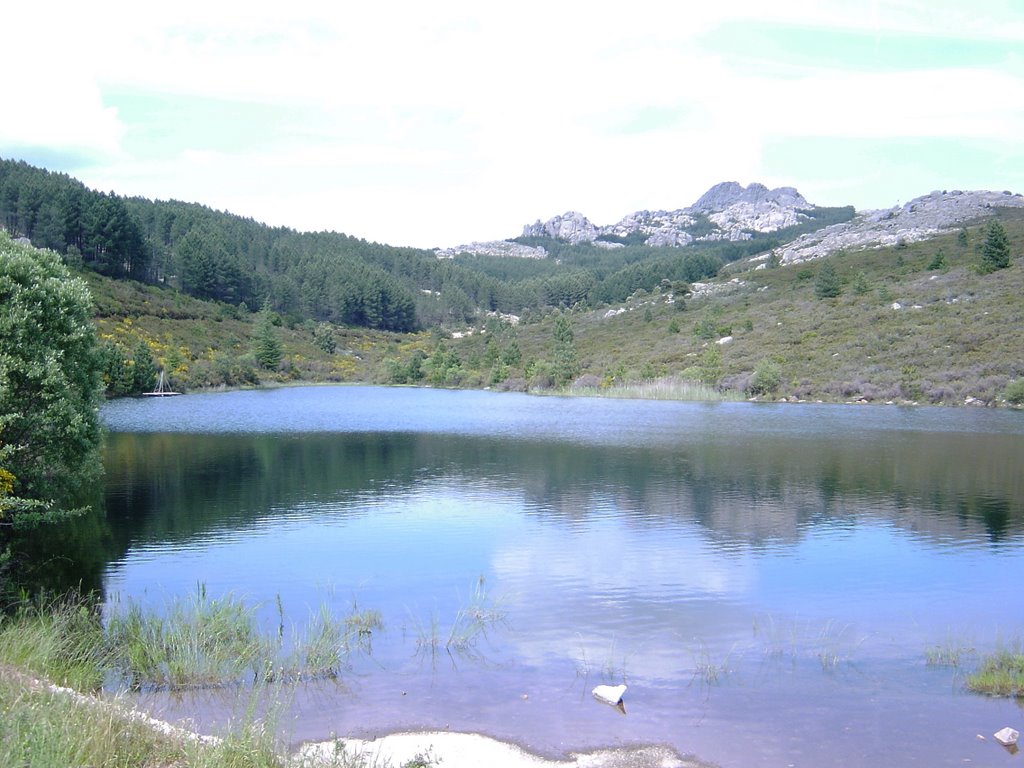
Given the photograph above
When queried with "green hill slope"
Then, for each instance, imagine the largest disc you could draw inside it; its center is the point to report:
(906, 326)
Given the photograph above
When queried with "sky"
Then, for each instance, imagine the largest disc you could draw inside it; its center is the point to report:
(434, 124)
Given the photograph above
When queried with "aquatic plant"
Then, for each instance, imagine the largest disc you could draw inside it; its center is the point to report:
(472, 621)
(710, 670)
(947, 654)
(198, 641)
(612, 668)
(669, 388)
(360, 624)
(1000, 674)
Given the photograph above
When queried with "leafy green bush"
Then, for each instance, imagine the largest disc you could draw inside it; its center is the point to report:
(1015, 392)
(766, 379)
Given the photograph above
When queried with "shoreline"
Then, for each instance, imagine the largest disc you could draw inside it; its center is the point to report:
(443, 748)
(471, 750)
(612, 393)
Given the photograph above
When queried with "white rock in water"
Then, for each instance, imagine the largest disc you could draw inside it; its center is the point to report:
(610, 694)
(1007, 737)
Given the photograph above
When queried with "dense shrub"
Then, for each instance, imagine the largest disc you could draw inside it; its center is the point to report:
(1014, 392)
(766, 378)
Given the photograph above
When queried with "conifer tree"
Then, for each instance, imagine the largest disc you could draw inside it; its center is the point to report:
(266, 347)
(995, 252)
(144, 372)
(566, 361)
(827, 284)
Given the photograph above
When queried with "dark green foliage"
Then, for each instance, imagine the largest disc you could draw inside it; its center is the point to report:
(409, 371)
(266, 346)
(1015, 392)
(766, 378)
(633, 238)
(995, 252)
(444, 367)
(961, 237)
(512, 355)
(209, 254)
(860, 284)
(117, 375)
(938, 261)
(49, 378)
(711, 366)
(323, 337)
(566, 360)
(144, 371)
(673, 326)
(563, 331)
(827, 284)
(337, 278)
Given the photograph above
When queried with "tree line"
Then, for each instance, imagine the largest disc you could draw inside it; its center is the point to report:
(333, 277)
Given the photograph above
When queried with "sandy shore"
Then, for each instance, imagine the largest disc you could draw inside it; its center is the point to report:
(470, 750)
(444, 748)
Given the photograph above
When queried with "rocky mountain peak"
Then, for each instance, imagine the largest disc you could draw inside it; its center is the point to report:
(571, 226)
(727, 211)
(728, 193)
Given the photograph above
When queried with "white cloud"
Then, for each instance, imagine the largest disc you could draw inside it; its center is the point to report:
(477, 119)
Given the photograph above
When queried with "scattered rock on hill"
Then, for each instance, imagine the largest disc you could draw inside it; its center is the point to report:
(920, 219)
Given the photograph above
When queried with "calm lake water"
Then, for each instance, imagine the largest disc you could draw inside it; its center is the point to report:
(767, 579)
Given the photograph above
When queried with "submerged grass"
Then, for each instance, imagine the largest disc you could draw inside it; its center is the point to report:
(709, 670)
(669, 388)
(948, 654)
(197, 642)
(200, 641)
(611, 663)
(471, 623)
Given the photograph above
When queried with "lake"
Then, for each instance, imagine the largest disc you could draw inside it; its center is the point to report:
(766, 578)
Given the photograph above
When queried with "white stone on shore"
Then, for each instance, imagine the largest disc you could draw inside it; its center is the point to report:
(609, 694)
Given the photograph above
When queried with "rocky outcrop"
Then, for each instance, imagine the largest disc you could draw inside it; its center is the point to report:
(920, 219)
(730, 211)
(740, 219)
(722, 196)
(572, 227)
(727, 211)
(494, 248)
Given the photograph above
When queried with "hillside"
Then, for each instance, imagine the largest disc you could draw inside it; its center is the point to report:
(338, 278)
(914, 322)
(735, 303)
(906, 327)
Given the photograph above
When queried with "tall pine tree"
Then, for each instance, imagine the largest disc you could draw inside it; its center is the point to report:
(995, 252)
(266, 346)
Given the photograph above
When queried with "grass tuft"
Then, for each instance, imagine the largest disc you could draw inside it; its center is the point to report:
(199, 641)
(1000, 674)
(669, 388)
(41, 728)
(61, 640)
